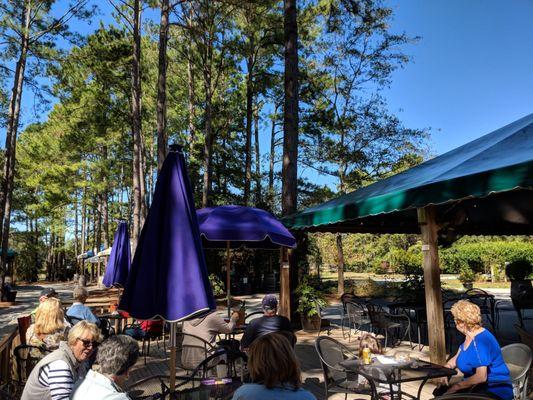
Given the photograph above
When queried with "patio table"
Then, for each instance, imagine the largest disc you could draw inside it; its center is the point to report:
(397, 373)
(158, 385)
(238, 329)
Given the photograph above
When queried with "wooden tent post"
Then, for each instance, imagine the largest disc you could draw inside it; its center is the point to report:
(284, 284)
(435, 315)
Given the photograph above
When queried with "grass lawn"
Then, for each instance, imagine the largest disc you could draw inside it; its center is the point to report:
(448, 280)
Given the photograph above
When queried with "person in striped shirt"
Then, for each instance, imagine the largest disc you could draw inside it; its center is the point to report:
(54, 376)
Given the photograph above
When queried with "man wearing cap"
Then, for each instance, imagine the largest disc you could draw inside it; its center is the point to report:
(45, 294)
(269, 322)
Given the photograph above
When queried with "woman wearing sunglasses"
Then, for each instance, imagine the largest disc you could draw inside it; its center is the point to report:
(54, 376)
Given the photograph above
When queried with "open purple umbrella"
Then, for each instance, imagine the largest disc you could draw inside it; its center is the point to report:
(168, 277)
(118, 266)
(235, 226)
(242, 226)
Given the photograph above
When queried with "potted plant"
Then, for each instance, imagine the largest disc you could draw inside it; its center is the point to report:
(467, 277)
(217, 286)
(308, 298)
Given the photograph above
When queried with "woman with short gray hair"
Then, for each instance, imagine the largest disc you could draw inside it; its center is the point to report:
(114, 359)
(78, 311)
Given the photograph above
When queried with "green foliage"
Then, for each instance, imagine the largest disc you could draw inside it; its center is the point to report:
(409, 263)
(484, 255)
(217, 285)
(309, 294)
(467, 275)
(519, 269)
(368, 288)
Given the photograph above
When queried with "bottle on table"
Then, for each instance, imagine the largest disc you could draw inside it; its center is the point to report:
(366, 355)
(242, 313)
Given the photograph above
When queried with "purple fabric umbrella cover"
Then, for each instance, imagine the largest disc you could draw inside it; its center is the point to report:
(118, 266)
(242, 226)
(168, 276)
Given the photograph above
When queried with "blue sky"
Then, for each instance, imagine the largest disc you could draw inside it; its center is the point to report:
(472, 69)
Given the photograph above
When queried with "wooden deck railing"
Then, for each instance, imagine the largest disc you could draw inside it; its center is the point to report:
(7, 365)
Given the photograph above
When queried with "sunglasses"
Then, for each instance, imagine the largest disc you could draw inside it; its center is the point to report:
(88, 343)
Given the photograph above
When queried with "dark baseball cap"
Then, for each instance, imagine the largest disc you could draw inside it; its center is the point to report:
(270, 302)
(48, 292)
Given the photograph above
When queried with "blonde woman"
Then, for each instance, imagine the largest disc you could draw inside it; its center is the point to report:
(54, 376)
(479, 357)
(50, 326)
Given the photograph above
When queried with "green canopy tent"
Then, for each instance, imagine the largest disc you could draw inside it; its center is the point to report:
(10, 254)
(484, 187)
(10, 267)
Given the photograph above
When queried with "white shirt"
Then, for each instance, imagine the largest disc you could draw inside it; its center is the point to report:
(97, 386)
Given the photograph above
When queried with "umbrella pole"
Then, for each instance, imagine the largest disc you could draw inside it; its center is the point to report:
(228, 283)
(172, 360)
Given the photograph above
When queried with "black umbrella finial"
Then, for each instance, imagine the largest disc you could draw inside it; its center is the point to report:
(176, 148)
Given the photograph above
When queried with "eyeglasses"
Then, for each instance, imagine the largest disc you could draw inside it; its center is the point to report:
(88, 343)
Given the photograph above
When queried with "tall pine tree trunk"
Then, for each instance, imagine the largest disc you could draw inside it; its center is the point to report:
(257, 156)
(162, 137)
(83, 245)
(290, 130)
(105, 203)
(136, 125)
(272, 155)
(11, 139)
(208, 133)
(290, 114)
(190, 86)
(37, 266)
(208, 149)
(76, 233)
(249, 119)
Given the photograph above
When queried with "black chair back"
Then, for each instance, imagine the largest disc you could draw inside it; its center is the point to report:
(331, 352)
(27, 357)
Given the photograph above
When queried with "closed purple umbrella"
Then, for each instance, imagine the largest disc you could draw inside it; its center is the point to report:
(118, 266)
(235, 226)
(168, 276)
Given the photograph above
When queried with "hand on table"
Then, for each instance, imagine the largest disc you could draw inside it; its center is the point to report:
(441, 381)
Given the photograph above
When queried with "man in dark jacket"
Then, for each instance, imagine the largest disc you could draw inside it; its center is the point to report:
(269, 322)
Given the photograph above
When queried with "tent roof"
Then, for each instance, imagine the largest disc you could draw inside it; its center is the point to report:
(482, 187)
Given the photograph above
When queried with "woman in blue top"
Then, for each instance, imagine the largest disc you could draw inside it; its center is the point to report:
(274, 370)
(479, 357)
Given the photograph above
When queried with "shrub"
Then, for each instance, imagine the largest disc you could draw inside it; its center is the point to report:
(409, 263)
(518, 269)
(217, 285)
(466, 275)
(482, 255)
